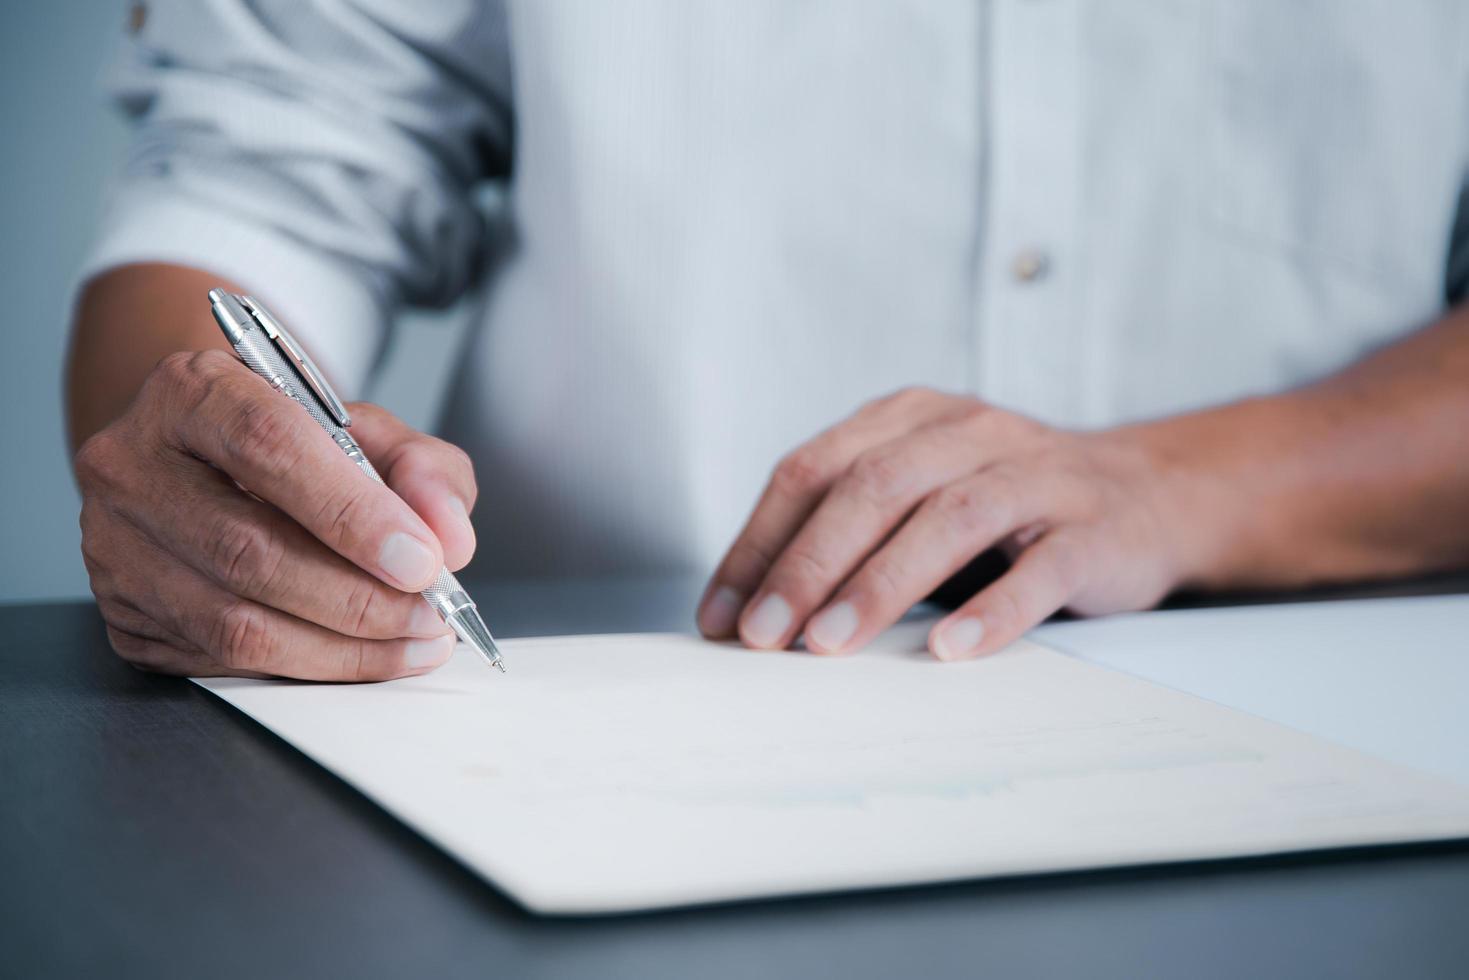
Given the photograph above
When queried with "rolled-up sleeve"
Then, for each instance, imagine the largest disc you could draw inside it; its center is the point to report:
(324, 155)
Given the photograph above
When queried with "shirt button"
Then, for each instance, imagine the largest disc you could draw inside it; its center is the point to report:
(1029, 264)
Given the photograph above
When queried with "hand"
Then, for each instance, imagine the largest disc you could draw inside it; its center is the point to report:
(313, 573)
(868, 518)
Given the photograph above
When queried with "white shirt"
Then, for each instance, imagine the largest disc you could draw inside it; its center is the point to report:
(726, 225)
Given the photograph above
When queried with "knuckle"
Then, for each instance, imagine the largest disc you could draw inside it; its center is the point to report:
(142, 651)
(986, 423)
(909, 396)
(176, 370)
(246, 556)
(747, 562)
(112, 463)
(463, 464)
(956, 499)
(371, 660)
(126, 645)
(800, 571)
(800, 473)
(95, 459)
(355, 662)
(241, 638)
(120, 616)
(370, 610)
(265, 436)
(884, 578)
(215, 359)
(339, 510)
(188, 375)
(880, 475)
(984, 506)
(212, 363)
(965, 509)
(458, 460)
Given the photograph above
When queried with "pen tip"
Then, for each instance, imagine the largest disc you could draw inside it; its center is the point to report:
(472, 630)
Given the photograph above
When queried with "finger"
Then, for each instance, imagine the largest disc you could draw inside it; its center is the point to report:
(143, 643)
(242, 635)
(122, 615)
(155, 655)
(223, 413)
(252, 550)
(797, 485)
(434, 477)
(950, 527)
(856, 516)
(1043, 580)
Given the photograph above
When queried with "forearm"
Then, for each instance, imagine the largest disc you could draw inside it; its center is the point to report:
(127, 320)
(1362, 475)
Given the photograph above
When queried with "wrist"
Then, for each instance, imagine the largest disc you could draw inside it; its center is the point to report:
(1199, 492)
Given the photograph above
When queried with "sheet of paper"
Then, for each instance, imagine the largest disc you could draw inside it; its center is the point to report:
(1387, 676)
(615, 773)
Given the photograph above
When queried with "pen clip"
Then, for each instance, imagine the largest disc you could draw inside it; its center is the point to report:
(298, 359)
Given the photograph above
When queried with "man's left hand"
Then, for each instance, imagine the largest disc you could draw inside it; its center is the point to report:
(868, 518)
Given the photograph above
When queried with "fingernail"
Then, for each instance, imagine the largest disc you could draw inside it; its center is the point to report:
(426, 622)
(831, 628)
(718, 616)
(461, 512)
(419, 654)
(959, 639)
(408, 560)
(768, 622)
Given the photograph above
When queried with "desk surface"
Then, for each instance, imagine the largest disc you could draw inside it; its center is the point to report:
(147, 829)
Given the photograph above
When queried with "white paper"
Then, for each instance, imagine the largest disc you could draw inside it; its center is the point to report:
(1387, 676)
(616, 773)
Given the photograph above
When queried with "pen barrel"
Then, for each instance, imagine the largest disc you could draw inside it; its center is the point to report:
(260, 355)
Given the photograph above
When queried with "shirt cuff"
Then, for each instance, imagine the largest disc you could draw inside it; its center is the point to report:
(337, 311)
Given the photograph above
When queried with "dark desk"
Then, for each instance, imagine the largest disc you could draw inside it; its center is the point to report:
(147, 829)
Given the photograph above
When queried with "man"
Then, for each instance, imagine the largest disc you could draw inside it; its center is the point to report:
(1187, 270)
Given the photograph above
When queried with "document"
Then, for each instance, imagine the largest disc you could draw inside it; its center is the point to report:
(618, 773)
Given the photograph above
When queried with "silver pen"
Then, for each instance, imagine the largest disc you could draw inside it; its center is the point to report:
(271, 352)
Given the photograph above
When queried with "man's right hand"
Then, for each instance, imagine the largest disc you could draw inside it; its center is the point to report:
(312, 571)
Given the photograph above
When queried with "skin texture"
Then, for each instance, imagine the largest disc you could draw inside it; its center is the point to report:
(1364, 475)
(312, 572)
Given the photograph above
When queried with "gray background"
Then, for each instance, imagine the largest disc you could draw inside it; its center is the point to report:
(62, 139)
